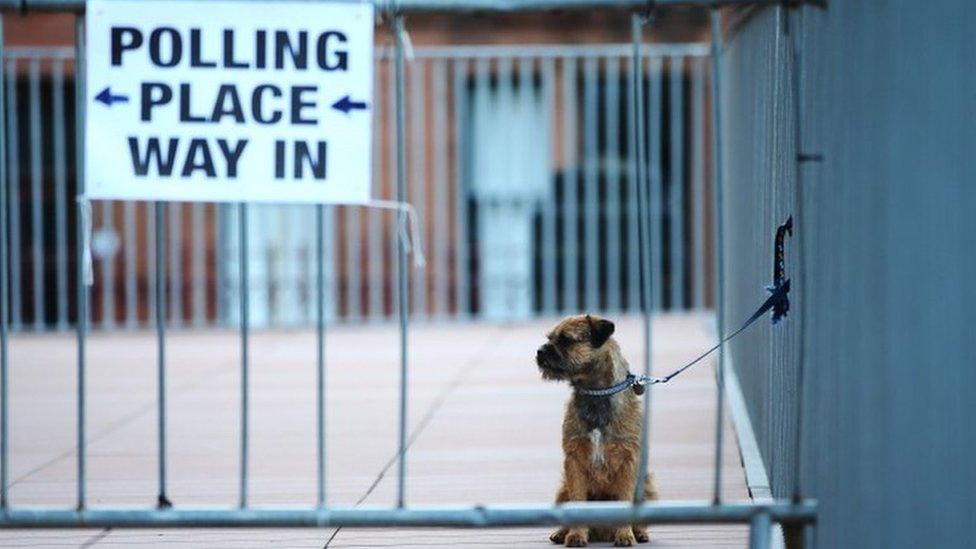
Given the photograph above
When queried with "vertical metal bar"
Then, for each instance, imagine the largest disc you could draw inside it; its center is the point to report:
(591, 191)
(13, 202)
(440, 228)
(37, 227)
(108, 270)
(175, 274)
(480, 109)
(716, 23)
(245, 295)
(654, 94)
(160, 248)
(500, 100)
(199, 276)
(461, 273)
(549, 258)
(375, 216)
(636, 28)
(221, 223)
(320, 348)
(635, 177)
(4, 304)
(570, 237)
(796, 66)
(698, 181)
(354, 301)
(131, 257)
(394, 169)
(676, 193)
(58, 122)
(759, 531)
(403, 297)
(329, 254)
(150, 260)
(417, 190)
(80, 236)
(611, 170)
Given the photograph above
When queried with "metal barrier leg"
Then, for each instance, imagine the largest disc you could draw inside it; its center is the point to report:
(245, 298)
(320, 347)
(636, 28)
(82, 312)
(716, 21)
(160, 216)
(4, 305)
(403, 297)
(759, 531)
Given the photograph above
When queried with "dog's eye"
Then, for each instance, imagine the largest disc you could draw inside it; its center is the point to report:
(566, 340)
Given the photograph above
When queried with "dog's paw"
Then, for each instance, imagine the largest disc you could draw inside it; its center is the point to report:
(576, 538)
(641, 535)
(624, 538)
(559, 536)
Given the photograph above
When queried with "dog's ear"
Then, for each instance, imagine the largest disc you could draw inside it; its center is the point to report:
(600, 331)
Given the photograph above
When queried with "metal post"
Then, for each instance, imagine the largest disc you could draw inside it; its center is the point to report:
(320, 346)
(13, 198)
(759, 531)
(129, 246)
(403, 298)
(159, 207)
(698, 183)
(591, 191)
(636, 29)
(716, 21)
(108, 271)
(570, 236)
(59, 121)
(244, 297)
(799, 274)
(4, 305)
(549, 228)
(36, 167)
(80, 236)
(676, 191)
(611, 212)
(418, 174)
(461, 273)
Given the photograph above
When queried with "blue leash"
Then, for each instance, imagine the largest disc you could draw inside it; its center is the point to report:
(777, 295)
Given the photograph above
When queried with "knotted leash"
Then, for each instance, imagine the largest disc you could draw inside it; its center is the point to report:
(639, 382)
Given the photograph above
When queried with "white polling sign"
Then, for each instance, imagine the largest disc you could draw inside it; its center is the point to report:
(228, 101)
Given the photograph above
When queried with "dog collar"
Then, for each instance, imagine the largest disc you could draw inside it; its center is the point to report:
(636, 382)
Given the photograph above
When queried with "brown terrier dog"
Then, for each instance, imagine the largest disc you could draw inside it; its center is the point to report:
(601, 434)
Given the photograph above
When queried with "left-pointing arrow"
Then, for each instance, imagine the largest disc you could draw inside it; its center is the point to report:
(346, 104)
(105, 96)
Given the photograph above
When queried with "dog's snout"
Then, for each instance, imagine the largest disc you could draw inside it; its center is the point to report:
(541, 353)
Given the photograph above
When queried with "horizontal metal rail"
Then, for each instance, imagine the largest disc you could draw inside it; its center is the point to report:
(474, 51)
(543, 51)
(419, 6)
(478, 516)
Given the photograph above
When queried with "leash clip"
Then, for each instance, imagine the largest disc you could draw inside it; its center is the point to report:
(641, 382)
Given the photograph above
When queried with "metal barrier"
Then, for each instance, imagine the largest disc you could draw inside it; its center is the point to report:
(644, 181)
(557, 114)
